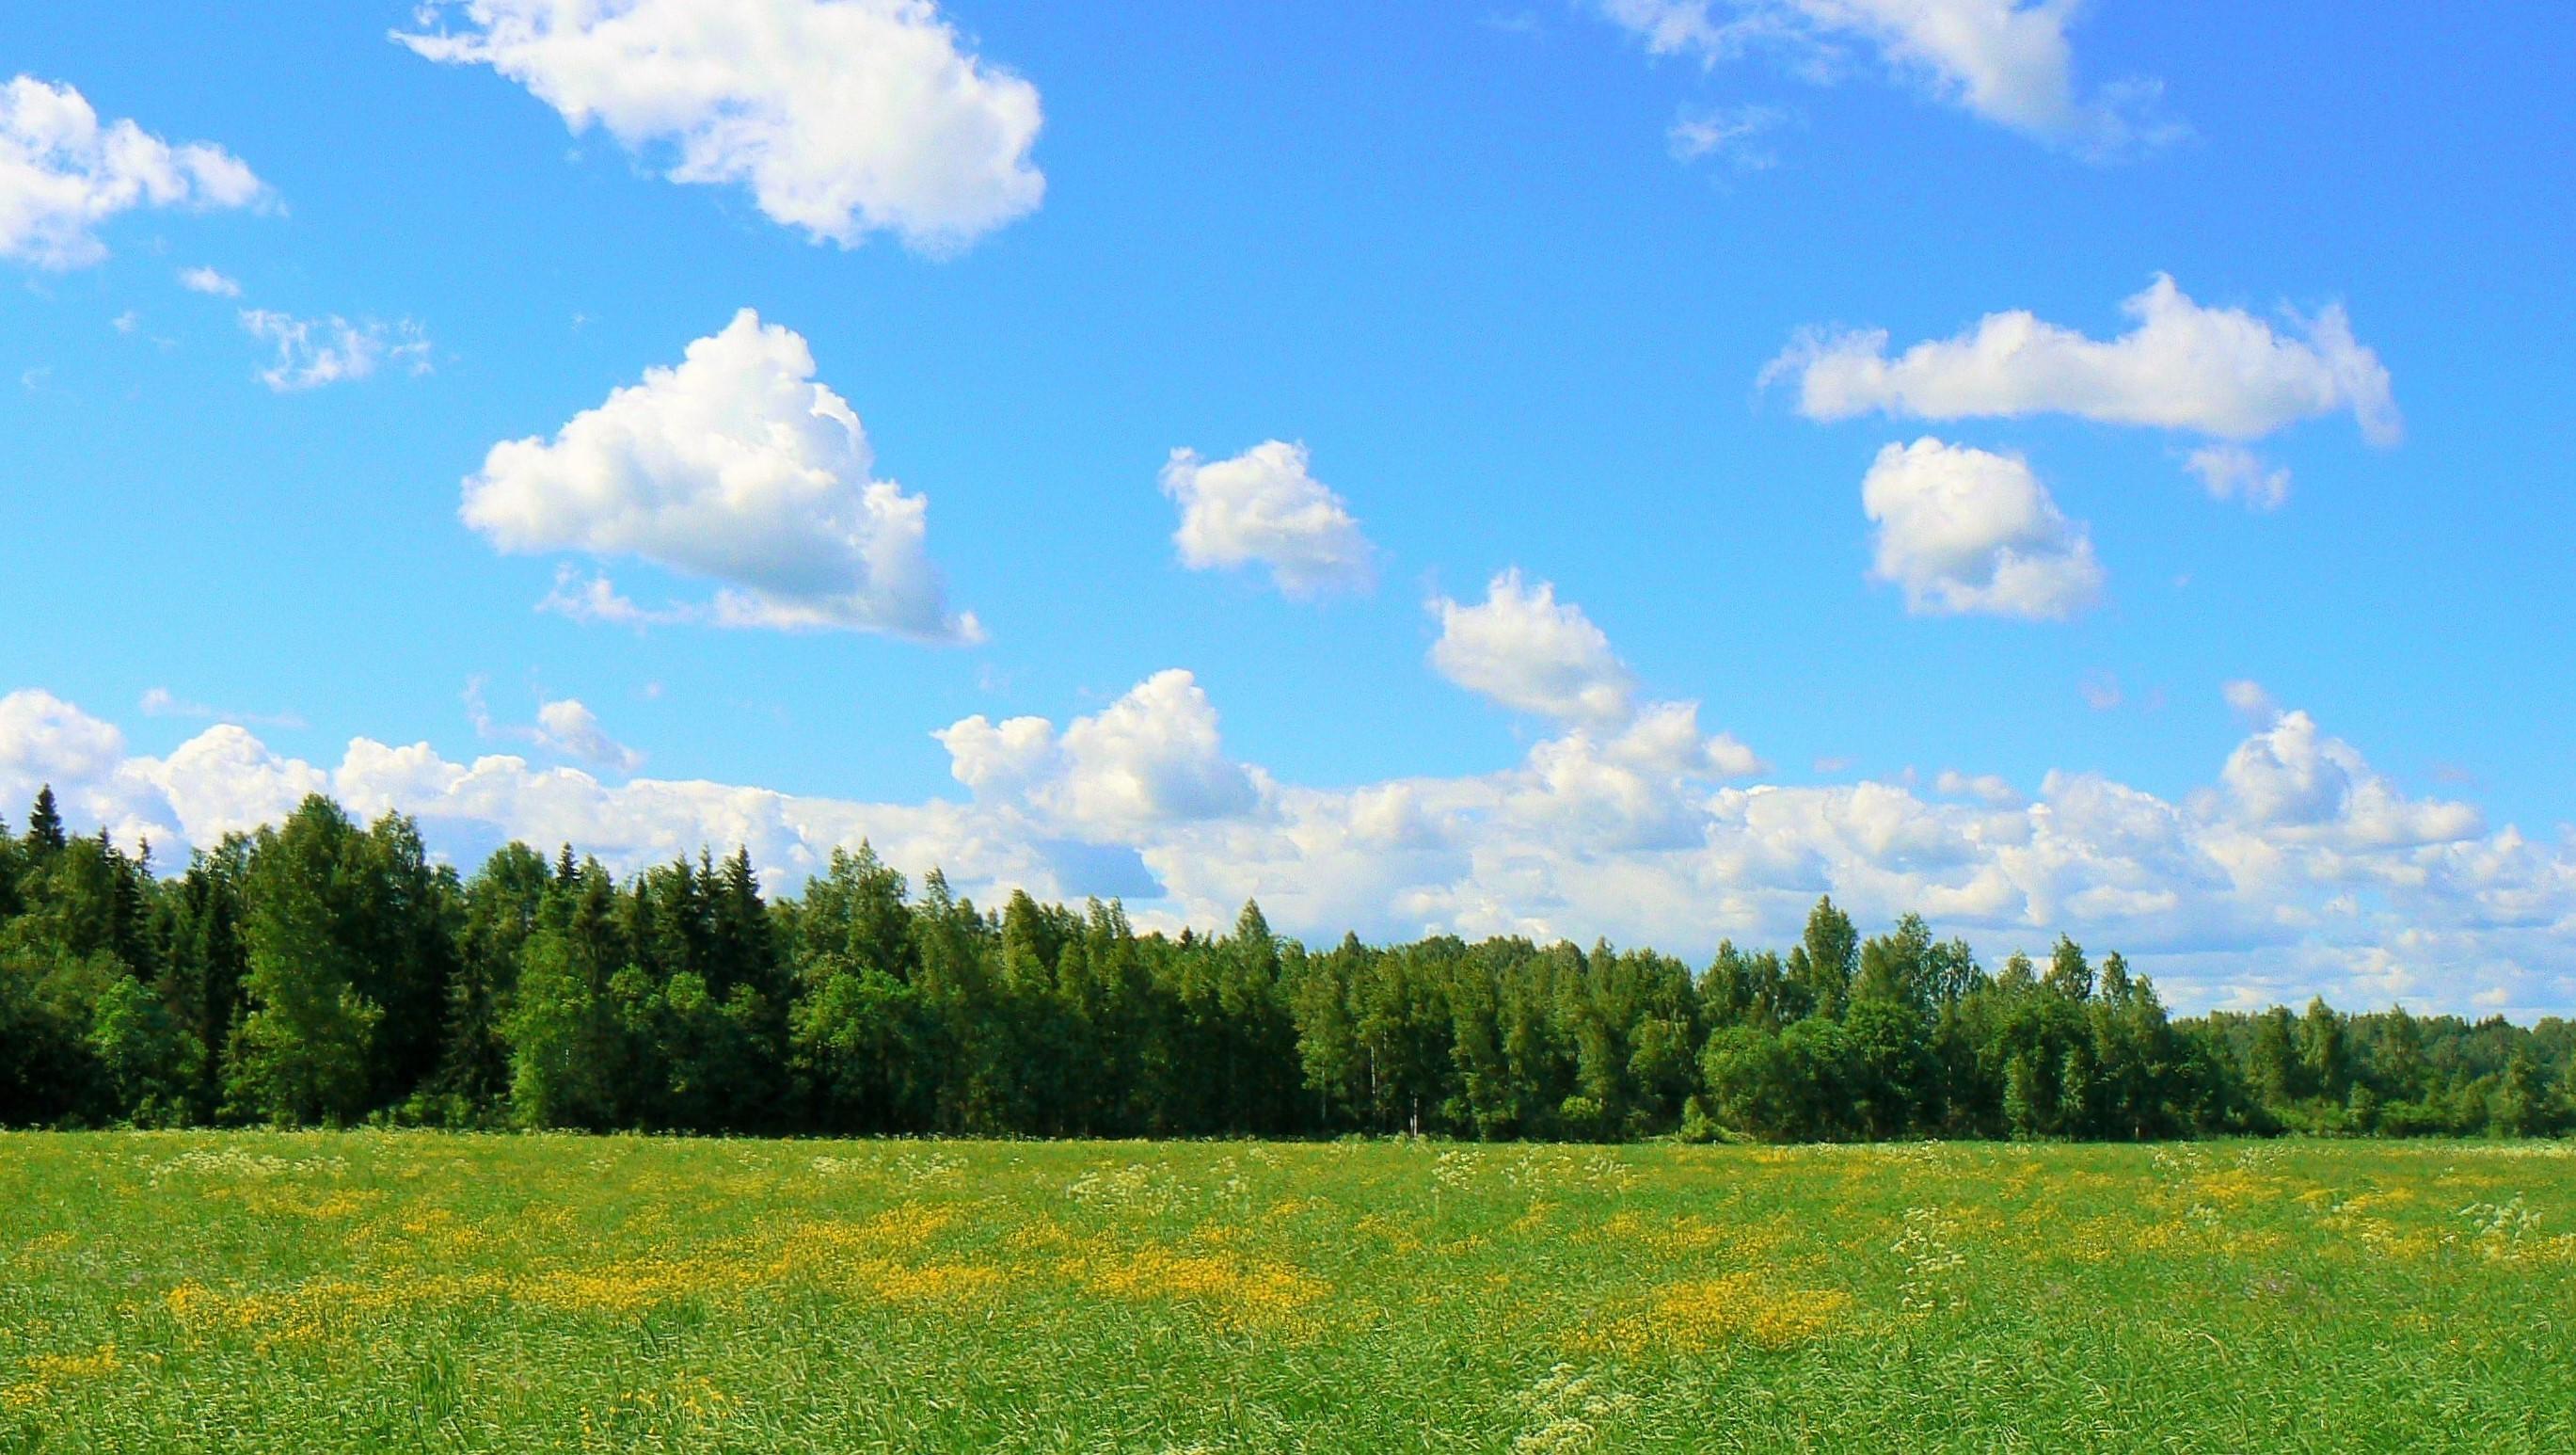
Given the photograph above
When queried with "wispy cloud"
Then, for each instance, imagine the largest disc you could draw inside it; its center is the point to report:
(1732, 135)
(162, 702)
(208, 281)
(313, 352)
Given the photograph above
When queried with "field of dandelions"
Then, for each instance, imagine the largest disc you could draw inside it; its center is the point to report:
(370, 1291)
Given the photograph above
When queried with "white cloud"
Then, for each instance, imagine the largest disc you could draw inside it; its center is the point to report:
(1965, 531)
(1149, 760)
(736, 466)
(2101, 691)
(1731, 134)
(313, 352)
(2301, 870)
(564, 727)
(161, 702)
(224, 781)
(596, 601)
(1522, 649)
(1988, 787)
(842, 117)
(209, 282)
(1665, 737)
(62, 174)
(2006, 61)
(2250, 702)
(2233, 472)
(2213, 371)
(1263, 506)
(42, 737)
(1678, 27)
(574, 730)
(47, 742)
(2295, 780)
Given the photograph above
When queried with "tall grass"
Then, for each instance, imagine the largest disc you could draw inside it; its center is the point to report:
(244, 1291)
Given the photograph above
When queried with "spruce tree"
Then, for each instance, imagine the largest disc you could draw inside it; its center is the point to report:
(45, 824)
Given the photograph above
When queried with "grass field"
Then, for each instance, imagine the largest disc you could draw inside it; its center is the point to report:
(375, 1291)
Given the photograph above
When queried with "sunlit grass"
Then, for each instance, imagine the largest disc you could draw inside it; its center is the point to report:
(366, 1291)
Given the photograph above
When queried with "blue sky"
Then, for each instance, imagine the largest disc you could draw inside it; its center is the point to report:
(1469, 261)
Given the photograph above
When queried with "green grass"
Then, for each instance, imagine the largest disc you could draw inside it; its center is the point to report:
(250, 1291)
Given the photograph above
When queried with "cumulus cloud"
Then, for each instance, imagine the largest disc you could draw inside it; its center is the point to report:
(313, 352)
(42, 737)
(2212, 371)
(1264, 507)
(63, 173)
(842, 118)
(1666, 736)
(734, 466)
(226, 781)
(1965, 531)
(1151, 759)
(1619, 762)
(2005, 61)
(2233, 472)
(564, 727)
(1523, 649)
(209, 282)
(2294, 779)
(1987, 787)
(574, 730)
(2300, 870)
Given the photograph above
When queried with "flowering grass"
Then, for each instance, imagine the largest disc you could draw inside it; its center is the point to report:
(364, 1291)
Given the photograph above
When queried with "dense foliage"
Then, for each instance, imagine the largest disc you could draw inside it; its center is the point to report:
(323, 972)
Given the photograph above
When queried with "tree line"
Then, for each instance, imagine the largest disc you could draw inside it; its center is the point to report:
(320, 972)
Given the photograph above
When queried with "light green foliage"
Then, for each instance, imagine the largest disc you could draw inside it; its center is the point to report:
(367, 1291)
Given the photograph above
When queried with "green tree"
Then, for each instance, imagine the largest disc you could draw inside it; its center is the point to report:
(1328, 1045)
(206, 959)
(1891, 1075)
(2279, 1075)
(2519, 1109)
(2069, 974)
(2322, 1053)
(1753, 1083)
(502, 903)
(302, 1053)
(1826, 958)
(858, 1039)
(45, 834)
(142, 1054)
(1900, 968)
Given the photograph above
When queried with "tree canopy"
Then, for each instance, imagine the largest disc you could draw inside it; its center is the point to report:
(321, 971)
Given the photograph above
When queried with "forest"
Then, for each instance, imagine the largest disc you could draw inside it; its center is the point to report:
(323, 972)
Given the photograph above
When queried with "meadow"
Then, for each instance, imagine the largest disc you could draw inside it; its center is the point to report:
(369, 1290)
